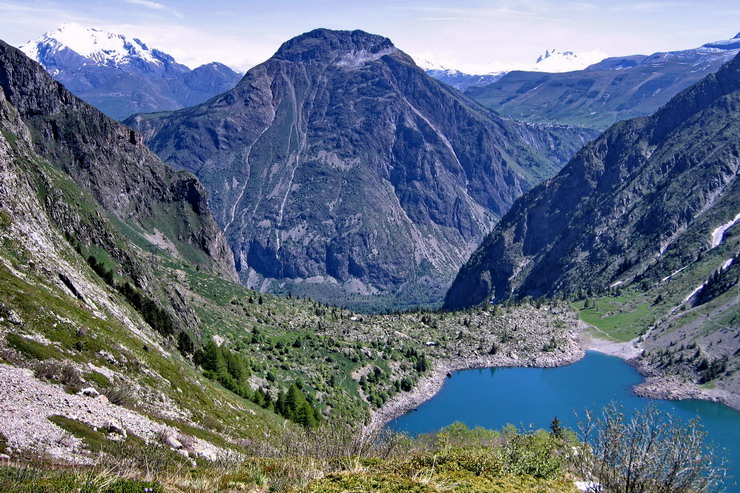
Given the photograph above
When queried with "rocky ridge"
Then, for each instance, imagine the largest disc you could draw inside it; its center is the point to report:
(109, 161)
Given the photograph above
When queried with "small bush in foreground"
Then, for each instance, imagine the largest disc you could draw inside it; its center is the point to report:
(647, 452)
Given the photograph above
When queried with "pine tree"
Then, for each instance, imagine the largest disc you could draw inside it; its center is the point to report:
(555, 428)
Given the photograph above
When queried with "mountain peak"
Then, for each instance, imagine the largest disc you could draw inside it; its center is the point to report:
(102, 47)
(566, 61)
(326, 45)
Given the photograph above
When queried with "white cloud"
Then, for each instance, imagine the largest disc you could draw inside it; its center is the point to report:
(155, 6)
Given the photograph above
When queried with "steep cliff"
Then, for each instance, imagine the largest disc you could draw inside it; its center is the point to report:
(109, 161)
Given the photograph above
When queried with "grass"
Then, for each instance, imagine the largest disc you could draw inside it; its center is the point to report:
(32, 479)
(31, 348)
(100, 380)
(622, 317)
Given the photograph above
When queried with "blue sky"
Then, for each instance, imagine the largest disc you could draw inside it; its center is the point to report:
(458, 34)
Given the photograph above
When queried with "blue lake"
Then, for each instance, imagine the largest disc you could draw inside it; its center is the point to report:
(494, 397)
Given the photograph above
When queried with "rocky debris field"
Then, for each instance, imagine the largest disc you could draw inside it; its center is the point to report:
(26, 404)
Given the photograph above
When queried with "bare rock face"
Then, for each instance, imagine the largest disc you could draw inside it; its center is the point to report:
(108, 160)
(338, 168)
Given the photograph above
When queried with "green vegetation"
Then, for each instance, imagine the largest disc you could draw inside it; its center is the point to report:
(622, 318)
(647, 451)
(31, 348)
(627, 454)
(93, 481)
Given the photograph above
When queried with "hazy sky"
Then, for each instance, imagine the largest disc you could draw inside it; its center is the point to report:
(456, 33)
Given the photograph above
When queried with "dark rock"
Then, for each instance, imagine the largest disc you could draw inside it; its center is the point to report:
(637, 203)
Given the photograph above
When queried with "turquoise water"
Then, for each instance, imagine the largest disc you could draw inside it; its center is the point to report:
(494, 397)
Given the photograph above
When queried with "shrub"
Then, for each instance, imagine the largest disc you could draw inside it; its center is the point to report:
(647, 452)
(120, 395)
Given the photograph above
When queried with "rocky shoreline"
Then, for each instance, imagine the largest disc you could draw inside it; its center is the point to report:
(677, 387)
(658, 385)
(432, 382)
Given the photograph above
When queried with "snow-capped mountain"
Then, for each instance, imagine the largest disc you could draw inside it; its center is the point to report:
(74, 55)
(599, 95)
(456, 78)
(122, 75)
(555, 61)
(727, 44)
(466, 76)
(102, 47)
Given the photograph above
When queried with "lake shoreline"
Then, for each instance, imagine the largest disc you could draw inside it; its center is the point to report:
(431, 383)
(657, 385)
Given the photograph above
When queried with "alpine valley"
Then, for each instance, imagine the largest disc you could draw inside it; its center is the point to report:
(239, 291)
(639, 228)
(339, 170)
(601, 94)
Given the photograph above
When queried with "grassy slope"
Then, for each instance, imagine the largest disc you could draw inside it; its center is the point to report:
(677, 334)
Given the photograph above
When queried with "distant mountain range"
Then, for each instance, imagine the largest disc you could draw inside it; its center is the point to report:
(122, 76)
(614, 89)
(550, 61)
(340, 170)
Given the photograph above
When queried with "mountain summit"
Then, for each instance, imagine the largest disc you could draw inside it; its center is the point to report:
(340, 170)
(566, 61)
(102, 47)
(122, 75)
(348, 48)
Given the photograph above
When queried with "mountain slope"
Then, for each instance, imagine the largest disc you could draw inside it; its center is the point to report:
(108, 161)
(122, 76)
(63, 322)
(645, 218)
(338, 168)
(611, 90)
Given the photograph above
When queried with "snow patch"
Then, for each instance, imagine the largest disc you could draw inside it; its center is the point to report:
(668, 277)
(587, 486)
(355, 59)
(719, 233)
(566, 61)
(552, 61)
(727, 264)
(693, 293)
